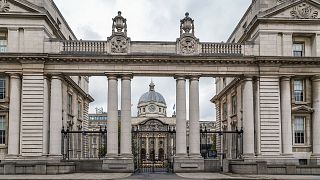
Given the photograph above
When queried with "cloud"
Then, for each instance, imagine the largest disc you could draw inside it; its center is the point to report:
(154, 20)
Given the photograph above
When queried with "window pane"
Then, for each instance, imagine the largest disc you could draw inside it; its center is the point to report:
(299, 131)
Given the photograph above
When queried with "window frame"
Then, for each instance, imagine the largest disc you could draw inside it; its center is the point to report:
(303, 48)
(303, 91)
(3, 138)
(4, 88)
(234, 104)
(70, 103)
(3, 47)
(304, 131)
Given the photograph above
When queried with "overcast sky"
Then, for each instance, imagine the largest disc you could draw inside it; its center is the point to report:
(154, 20)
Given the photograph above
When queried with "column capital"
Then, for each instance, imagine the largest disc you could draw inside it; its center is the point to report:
(180, 76)
(194, 77)
(112, 76)
(248, 78)
(57, 76)
(285, 78)
(315, 78)
(128, 76)
(15, 75)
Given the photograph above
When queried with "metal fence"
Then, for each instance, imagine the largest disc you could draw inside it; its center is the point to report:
(209, 151)
(84, 144)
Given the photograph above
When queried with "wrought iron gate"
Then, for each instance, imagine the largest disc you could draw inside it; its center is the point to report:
(148, 160)
(84, 144)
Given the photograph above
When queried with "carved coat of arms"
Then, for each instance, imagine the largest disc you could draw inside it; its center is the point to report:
(188, 45)
(119, 44)
(4, 6)
(304, 11)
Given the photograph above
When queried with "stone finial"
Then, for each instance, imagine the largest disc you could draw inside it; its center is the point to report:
(186, 25)
(4, 6)
(119, 24)
(151, 85)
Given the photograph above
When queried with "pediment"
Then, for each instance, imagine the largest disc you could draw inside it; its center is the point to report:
(18, 6)
(293, 9)
(302, 109)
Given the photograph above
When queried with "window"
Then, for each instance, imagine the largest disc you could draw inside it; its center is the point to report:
(234, 104)
(224, 82)
(298, 49)
(3, 41)
(224, 110)
(2, 88)
(299, 130)
(70, 103)
(79, 80)
(298, 90)
(2, 130)
(79, 110)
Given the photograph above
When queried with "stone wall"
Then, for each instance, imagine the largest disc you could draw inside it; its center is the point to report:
(263, 168)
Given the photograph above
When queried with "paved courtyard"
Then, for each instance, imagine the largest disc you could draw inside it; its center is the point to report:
(128, 176)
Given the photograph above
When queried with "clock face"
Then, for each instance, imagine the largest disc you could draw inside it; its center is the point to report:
(152, 108)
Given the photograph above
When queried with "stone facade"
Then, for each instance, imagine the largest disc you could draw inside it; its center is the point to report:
(278, 108)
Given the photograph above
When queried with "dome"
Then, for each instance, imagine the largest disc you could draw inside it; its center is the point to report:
(152, 96)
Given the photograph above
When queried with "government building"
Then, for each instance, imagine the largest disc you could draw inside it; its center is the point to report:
(267, 94)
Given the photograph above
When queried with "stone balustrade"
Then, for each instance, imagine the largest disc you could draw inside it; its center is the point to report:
(140, 47)
(84, 47)
(221, 48)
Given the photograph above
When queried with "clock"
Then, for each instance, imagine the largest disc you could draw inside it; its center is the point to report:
(152, 108)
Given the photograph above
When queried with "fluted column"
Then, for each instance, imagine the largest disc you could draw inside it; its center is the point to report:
(14, 115)
(316, 115)
(194, 116)
(125, 146)
(55, 116)
(181, 132)
(112, 125)
(248, 118)
(147, 147)
(156, 151)
(286, 116)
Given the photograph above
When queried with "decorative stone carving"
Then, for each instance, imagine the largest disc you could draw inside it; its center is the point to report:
(119, 44)
(188, 45)
(186, 25)
(304, 11)
(4, 6)
(119, 24)
(153, 125)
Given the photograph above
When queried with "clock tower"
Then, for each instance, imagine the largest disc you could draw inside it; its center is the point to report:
(152, 104)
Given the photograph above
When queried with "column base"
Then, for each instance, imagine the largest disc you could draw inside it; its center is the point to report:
(188, 164)
(118, 165)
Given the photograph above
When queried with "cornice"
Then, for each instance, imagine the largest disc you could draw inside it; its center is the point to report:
(154, 59)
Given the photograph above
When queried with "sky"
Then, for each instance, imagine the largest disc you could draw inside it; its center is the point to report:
(153, 20)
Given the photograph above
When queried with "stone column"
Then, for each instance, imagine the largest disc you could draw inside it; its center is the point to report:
(147, 147)
(194, 116)
(14, 115)
(156, 151)
(181, 130)
(112, 125)
(316, 117)
(55, 116)
(46, 116)
(125, 146)
(286, 115)
(248, 118)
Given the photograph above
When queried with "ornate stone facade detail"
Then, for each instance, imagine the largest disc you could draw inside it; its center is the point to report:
(304, 11)
(119, 44)
(153, 125)
(188, 45)
(4, 6)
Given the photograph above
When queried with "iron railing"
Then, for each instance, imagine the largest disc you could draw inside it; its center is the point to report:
(84, 144)
(208, 151)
